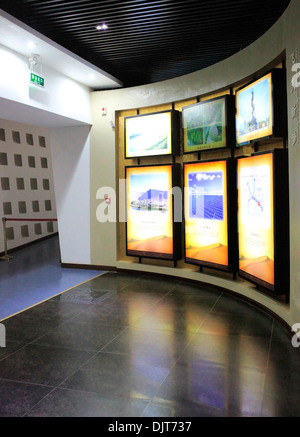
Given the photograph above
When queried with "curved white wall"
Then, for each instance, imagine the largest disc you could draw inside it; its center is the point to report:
(284, 35)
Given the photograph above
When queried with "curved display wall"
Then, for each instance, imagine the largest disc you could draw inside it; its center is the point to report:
(210, 149)
(276, 49)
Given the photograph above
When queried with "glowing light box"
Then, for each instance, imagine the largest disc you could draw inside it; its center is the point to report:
(209, 125)
(150, 230)
(152, 134)
(261, 109)
(263, 220)
(210, 214)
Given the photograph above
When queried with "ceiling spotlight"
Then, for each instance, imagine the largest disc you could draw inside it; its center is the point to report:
(102, 26)
(91, 76)
(31, 45)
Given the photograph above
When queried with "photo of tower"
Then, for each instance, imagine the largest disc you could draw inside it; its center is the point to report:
(254, 110)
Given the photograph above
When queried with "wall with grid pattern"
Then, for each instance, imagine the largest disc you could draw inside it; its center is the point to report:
(26, 183)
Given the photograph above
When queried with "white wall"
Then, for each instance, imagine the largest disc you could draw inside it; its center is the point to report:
(61, 96)
(62, 107)
(283, 36)
(71, 167)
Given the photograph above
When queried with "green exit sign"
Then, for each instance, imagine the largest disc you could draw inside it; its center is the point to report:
(36, 80)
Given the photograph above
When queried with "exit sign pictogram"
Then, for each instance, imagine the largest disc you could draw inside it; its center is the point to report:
(37, 80)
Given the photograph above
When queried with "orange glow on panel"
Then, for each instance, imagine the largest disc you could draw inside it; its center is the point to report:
(255, 217)
(150, 210)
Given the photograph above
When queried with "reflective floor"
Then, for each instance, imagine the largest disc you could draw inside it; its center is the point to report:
(128, 345)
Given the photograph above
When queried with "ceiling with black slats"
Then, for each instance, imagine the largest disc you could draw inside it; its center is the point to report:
(149, 41)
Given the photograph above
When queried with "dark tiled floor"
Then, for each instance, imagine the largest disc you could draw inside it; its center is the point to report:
(125, 345)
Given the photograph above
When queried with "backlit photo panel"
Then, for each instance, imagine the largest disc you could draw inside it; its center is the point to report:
(151, 134)
(209, 125)
(256, 218)
(254, 118)
(150, 227)
(261, 108)
(206, 224)
(204, 125)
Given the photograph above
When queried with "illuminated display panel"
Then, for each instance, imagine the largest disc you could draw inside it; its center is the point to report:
(263, 218)
(150, 227)
(151, 134)
(208, 125)
(254, 117)
(256, 218)
(206, 214)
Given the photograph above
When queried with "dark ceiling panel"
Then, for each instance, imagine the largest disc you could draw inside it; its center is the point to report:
(149, 41)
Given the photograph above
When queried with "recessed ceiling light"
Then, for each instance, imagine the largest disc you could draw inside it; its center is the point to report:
(102, 26)
(91, 76)
(31, 45)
